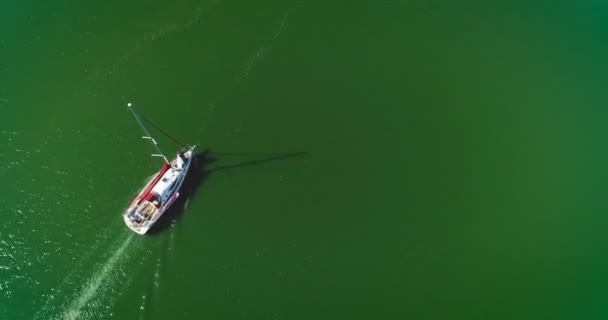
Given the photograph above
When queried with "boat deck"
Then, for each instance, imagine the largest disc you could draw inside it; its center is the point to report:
(147, 209)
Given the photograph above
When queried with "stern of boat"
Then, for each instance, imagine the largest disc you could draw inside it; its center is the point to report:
(135, 228)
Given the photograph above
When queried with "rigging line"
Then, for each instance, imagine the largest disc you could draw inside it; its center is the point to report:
(148, 136)
(161, 131)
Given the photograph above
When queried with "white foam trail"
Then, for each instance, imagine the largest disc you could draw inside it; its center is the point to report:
(161, 32)
(142, 307)
(157, 275)
(88, 292)
(251, 63)
(282, 25)
(262, 51)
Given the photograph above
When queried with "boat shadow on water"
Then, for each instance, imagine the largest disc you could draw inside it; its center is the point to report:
(200, 171)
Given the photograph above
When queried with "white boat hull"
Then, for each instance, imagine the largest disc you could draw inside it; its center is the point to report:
(159, 194)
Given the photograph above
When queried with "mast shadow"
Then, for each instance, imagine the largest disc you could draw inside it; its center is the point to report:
(272, 157)
(199, 173)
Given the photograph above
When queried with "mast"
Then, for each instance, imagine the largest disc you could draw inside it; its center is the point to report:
(147, 134)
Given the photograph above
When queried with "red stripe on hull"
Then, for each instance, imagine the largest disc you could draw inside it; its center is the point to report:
(151, 185)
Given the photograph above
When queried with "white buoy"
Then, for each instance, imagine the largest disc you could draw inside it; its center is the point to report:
(129, 104)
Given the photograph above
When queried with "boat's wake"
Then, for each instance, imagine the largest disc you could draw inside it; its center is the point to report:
(93, 295)
(90, 290)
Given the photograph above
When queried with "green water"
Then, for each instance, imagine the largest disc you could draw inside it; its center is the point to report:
(373, 160)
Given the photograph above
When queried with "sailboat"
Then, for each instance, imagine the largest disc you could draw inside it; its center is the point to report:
(157, 196)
